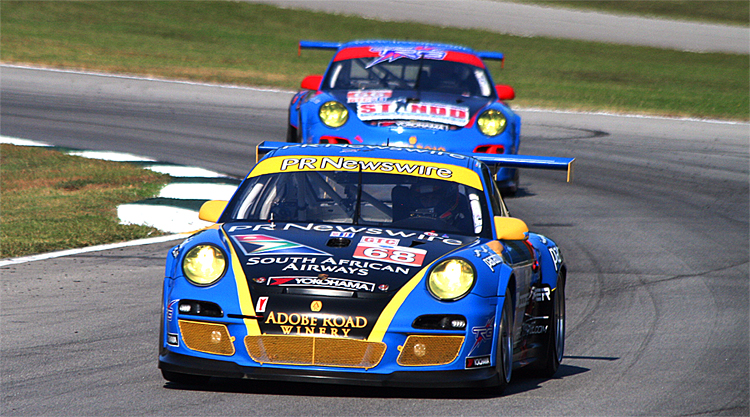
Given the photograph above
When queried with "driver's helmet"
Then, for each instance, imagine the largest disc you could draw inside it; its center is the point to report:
(434, 197)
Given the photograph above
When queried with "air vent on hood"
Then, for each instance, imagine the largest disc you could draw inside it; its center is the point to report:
(338, 242)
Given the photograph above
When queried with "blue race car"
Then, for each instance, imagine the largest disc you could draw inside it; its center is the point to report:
(407, 94)
(367, 265)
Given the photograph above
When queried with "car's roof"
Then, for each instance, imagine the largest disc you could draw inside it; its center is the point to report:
(380, 152)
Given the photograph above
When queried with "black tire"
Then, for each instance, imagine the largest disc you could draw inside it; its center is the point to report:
(504, 360)
(549, 363)
(184, 379)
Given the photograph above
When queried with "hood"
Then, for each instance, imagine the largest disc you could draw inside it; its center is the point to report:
(331, 280)
(386, 105)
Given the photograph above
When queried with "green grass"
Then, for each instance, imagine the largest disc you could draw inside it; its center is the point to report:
(53, 201)
(252, 44)
(728, 12)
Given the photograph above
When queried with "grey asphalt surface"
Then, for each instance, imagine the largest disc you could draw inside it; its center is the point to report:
(534, 20)
(654, 230)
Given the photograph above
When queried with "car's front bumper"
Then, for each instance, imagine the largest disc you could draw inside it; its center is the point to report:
(473, 378)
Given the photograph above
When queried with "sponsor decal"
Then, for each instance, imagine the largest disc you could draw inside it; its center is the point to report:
(269, 245)
(375, 249)
(492, 261)
(390, 54)
(260, 307)
(401, 110)
(482, 334)
(316, 306)
(368, 96)
(478, 362)
(327, 265)
(489, 256)
(532, 329)
(327, 228)
(380, 241)
(322, 282)
(413, 124)
(315, 324)
(169, 309)
(326, 163)
(556, 257)
(347, 235)
(541, 294)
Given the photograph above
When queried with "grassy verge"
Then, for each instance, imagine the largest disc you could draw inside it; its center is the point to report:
(252, 44)
(52, 201)
(728, 12)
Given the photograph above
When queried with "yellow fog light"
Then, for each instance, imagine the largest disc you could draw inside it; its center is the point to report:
(420, 350)
(492, 122)
(204, 264)
(333, 114)
(451, 279)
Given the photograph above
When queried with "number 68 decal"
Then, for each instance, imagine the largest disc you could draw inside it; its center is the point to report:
(393, 254)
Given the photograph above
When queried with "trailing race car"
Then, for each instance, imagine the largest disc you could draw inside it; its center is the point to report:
(368, 265)
(407, 94)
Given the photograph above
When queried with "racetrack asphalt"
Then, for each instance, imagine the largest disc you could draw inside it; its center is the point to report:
(534, 20)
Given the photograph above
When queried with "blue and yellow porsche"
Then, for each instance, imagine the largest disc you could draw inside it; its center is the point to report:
(366, 265)
(412, 94)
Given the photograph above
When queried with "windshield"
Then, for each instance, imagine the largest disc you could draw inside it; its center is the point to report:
(424, 75)
(364, 198)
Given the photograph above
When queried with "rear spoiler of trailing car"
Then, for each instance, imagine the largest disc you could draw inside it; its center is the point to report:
(497, 56)
(495, 161)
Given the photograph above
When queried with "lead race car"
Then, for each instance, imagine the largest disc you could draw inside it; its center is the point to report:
(408, 94)
(367, 265)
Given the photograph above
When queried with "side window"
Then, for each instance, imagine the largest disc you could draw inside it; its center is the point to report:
(516, 252)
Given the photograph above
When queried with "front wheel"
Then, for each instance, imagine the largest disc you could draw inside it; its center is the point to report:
(504, 362)
(555, 346)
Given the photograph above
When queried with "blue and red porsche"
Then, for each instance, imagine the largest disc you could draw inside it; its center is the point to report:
(366, 265)
(408, 94)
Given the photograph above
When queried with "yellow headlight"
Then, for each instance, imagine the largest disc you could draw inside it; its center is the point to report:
(333, 114)
(204, 264)
(451, 279)
(492, 122)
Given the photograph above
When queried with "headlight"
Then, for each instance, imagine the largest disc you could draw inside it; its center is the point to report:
(451, 279)
(492, 122)
(204, 264)
(333, 114)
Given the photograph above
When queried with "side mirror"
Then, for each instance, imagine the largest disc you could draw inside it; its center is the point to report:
(312, 82)
(510, 228)
(211, 210)
(505, 92)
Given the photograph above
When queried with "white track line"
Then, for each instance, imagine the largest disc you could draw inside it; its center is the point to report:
(98, 248)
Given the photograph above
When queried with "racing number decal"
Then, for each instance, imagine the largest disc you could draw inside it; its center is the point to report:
(387, 250)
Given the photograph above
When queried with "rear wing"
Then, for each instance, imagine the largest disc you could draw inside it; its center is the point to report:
(494, 161)
(317, 45)
(488, 55)
(527, 161)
